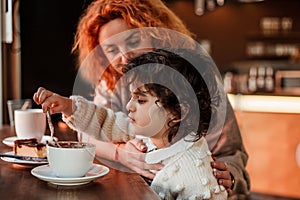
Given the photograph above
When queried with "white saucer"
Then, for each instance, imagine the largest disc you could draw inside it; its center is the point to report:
(10, 140)
(45, 173)
(22, 162)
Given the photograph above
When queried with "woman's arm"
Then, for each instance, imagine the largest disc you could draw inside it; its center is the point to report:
(230, 152)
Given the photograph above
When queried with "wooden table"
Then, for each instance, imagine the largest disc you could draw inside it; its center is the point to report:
(16, 181)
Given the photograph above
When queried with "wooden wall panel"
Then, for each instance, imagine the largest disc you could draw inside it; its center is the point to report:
(271, 140)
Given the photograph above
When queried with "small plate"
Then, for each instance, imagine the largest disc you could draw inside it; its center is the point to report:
(45, 173)
(10, 140)
(23, 162)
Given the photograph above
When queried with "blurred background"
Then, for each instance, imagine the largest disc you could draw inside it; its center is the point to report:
(254, 43)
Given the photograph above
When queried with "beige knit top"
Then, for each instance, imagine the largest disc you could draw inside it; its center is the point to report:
(98, 122)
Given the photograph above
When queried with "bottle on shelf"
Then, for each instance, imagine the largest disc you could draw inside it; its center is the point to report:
(229, 82)
(260, 81)
(252, 86)
(269, 80)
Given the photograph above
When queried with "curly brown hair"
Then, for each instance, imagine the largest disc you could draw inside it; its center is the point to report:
(136, 14)
(172, 91)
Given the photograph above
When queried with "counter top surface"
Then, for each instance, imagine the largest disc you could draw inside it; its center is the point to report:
(18, 183)
(265, 103)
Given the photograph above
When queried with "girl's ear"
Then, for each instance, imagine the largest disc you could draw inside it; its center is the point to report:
(158, 103)
(185, 109)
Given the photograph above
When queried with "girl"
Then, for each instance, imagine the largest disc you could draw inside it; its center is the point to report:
(162, 108)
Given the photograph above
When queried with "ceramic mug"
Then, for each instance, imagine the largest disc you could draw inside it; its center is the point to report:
(30, 123)
(71, 159)
(16, 104)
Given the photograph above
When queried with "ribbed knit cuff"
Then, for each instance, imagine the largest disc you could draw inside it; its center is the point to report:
(83, 117)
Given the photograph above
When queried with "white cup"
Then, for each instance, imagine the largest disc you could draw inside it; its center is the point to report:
(30, 123)
(72, 159)
(15, 104)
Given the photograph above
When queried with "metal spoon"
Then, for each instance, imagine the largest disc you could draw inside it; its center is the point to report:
(51, 127)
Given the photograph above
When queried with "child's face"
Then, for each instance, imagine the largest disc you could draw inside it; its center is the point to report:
(148, 118)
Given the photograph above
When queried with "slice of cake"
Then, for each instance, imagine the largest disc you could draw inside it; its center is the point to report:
(30, 147)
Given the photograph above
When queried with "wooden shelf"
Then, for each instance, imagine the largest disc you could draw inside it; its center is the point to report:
(268, 57)
(291, 35)
(272, 45)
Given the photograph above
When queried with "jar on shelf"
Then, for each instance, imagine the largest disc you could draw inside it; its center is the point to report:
(269, 80)
(252, 86)
(260, 81)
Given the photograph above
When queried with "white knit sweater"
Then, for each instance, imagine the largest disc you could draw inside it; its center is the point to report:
(187, 173)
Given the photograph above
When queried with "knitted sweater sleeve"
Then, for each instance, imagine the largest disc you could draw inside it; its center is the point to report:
(98, 122)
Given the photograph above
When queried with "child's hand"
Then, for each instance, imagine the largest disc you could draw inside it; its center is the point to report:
(131, 155)
(55, 102)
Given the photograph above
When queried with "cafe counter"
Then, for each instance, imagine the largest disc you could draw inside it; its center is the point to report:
(265, 103)
(270, 129)
(16, 181)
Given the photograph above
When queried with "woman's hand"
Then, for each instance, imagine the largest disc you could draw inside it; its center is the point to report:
(131, 155)
(55, 102)
(222, 173)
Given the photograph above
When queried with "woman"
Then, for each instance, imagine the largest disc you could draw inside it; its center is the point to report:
(104, 19)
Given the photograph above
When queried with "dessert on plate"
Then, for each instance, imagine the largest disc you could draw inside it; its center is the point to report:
(30, 147)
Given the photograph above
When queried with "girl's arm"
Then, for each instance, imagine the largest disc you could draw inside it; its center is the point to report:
(98, 122)
(84, 116)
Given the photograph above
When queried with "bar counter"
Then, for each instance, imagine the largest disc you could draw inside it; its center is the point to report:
(16, 181)
(265, 103)
(269, 126)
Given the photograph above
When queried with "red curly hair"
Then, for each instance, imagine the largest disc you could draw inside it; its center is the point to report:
(136, 14)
